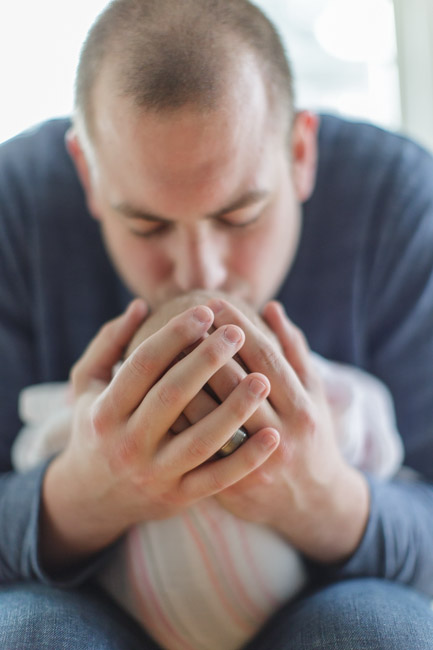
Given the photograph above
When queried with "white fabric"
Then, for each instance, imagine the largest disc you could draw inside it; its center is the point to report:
(207, 580)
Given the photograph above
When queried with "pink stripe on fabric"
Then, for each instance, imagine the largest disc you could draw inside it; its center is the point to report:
(137, 589)
(165, 629)
(202, 547)
(274, 602)
(254, 609)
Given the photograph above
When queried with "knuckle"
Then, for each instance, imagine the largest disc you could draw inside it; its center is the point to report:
(267, 357)
(240, 406)
(142, 364)
(306, 420)
(185, 492)
(143, 480)
(215, 482)
(168, 394)
(99, 418)
(200, 449)
(173, 499)
(211, 353)
(127, 450)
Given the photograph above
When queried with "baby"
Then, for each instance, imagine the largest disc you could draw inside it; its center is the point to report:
(206, 579)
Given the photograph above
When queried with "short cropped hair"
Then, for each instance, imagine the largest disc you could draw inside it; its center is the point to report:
(166, 54)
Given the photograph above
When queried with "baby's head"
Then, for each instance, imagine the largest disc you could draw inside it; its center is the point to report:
(179, 304)
(167, 310)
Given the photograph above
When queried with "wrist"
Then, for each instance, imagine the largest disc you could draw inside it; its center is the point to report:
(346, 512)
(71, 527)
(331, 523)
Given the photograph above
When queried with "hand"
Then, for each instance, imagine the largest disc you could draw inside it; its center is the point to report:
(305, 490)
(122, 464)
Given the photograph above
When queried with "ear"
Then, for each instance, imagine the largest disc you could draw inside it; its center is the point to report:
(304, 153)
(76, 152)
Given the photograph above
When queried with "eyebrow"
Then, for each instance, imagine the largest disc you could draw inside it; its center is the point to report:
(251, 197)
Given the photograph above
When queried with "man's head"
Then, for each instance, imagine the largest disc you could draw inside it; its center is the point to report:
(181, 141)
(166, 54)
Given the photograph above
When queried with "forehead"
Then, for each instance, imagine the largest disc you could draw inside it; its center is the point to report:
(185, 152)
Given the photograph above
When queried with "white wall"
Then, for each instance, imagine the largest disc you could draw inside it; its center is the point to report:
(39, 46)
(414, 20)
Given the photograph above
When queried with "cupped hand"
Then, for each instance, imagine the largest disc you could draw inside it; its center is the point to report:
(305, 490)
(123, 464)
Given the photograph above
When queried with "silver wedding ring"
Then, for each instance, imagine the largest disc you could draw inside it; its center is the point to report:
(231, 445)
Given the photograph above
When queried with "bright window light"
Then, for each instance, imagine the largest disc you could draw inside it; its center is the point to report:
(39, 47)
(337, 48)
(358, 31)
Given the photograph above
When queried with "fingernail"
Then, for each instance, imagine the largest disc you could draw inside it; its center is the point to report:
(136, 305)
(270, 439)
(232, 334)
(216, 305)
(142, 307)
(202, 314)
(257, 387)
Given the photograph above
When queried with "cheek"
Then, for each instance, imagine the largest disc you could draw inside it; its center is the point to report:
(148, 260)
(137, 260)
(264, 257)
(249, 256)
(268, 248)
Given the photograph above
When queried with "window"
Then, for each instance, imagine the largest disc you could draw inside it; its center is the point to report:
(344, 56)
(343, 52)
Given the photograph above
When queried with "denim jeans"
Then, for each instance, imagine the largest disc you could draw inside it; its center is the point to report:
(365, 614)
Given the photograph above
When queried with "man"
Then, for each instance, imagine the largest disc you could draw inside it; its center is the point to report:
(194, 166)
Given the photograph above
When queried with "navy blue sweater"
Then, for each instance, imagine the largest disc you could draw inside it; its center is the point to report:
(361, 288)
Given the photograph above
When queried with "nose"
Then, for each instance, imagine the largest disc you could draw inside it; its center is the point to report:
(199, 261)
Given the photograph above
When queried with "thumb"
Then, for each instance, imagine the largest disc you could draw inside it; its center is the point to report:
(107, 348)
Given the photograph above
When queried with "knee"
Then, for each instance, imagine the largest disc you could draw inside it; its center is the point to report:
(371, 613)
(36, 616)
(32, 615)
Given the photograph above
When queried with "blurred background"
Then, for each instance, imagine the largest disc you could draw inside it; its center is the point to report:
(368, 60)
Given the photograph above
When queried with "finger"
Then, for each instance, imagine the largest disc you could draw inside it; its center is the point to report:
(225, 381)
(144, 367)
(200, 406)
(211, 478)
(169, 397)
(204, 403)
(222, 384)
(202, 440)
(107, 348)
(261, 355)
(292, 340)
(180, 425)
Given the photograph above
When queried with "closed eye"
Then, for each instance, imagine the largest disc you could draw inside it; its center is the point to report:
(152, 232)
(239, 222)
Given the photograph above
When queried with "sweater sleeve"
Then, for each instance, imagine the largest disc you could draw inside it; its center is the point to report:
(20, 502)
(21, 365)
(397, 542)
(396, 322)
